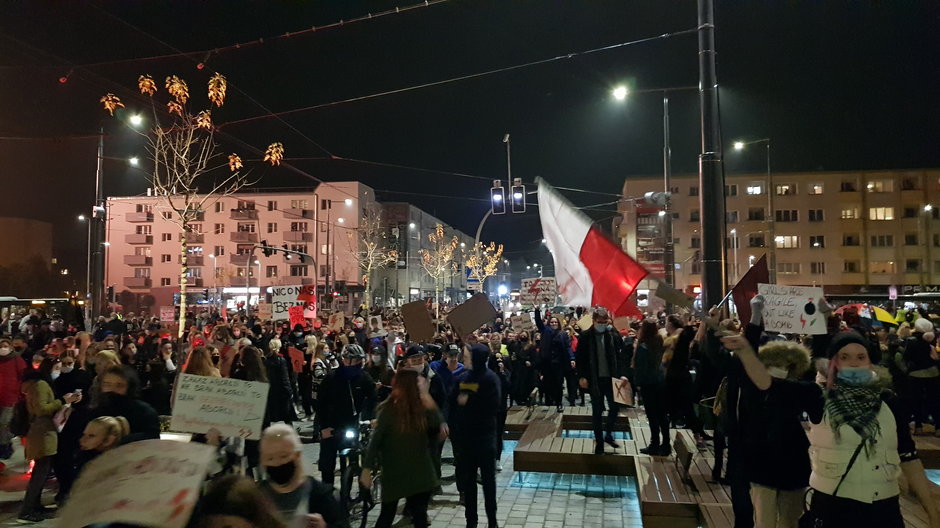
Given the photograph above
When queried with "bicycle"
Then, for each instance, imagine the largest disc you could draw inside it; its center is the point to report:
(355, 499)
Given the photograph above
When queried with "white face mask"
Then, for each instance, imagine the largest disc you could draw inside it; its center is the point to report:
(66, 370)
(778, 372)
(55, 374)
(376, 359)
(5, 351)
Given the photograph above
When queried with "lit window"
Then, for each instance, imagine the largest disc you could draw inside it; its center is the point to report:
(787, 241)
(785, 189)
(881, 213)
(755, 188)
(815, 188)
(850, 213)
(882, 266)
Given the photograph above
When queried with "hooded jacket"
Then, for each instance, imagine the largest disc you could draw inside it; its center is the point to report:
(12, 368)
(477, 417)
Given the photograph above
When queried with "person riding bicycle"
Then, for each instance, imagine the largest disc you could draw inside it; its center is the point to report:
(346, 396)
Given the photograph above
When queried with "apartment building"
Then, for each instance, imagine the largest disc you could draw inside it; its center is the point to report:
(851, 232)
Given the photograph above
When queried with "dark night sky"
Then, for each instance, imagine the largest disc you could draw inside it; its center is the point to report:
(836, 85)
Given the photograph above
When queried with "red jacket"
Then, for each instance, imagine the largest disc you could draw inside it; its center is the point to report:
(11, 377)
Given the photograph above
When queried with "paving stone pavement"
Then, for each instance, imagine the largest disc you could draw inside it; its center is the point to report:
(524, 500)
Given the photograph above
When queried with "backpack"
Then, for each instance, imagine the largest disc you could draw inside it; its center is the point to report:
(19, 424)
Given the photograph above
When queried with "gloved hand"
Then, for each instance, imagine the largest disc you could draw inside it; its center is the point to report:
(757, 309)
(823, 306)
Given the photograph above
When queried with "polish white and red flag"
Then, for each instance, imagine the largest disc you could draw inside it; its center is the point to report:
(590, 269)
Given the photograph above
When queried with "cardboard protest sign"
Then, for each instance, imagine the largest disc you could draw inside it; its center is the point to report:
(537, 290)
(167, 314)
(623, 392)
(234, 407)
(522, 323)
(672, 295)
(792, 309)
(337, 321)
(418, 322)
(296, 314)
(147, 483)
(473, 314)
(296, 359)
(264, 311)
(376, 327)
(585, 321)
(283, 297)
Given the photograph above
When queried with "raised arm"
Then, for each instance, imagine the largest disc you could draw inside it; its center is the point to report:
(755, 370)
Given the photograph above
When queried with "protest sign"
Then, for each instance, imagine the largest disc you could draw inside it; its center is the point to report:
(296, 359)
(586, 321)
(376, 327)
(167, 314)
(296, 314)
(472, 314)
(264, 311)
(283, 297)
(522, 323)
(792, 309)
(146, 483)
(337, 321)
(623, 392)
(234, 407)
(418, 322)
(537, 290)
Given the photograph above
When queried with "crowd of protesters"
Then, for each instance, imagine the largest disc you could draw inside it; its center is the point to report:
(74, 395)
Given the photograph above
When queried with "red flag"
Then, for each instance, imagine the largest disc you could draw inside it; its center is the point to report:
(746, 288)
(590, 270)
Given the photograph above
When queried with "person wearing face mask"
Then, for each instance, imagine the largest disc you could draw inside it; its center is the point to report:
(448, 369)
(378, 369)
(416, 359)
(12, 370)
(556, 357)
(601, 359)
(860, 441)
(303, 501)
(347, 396)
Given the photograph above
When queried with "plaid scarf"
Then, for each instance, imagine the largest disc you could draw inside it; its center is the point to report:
(856, 406)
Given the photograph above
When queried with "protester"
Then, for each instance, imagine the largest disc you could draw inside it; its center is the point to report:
(649, 379)
(301, 500)
(600, 360)
(401, 446)
(280, 393)
(556, 357)
(12, 371)
(234, 501)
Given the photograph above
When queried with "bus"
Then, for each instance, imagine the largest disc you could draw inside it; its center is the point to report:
(71, 310)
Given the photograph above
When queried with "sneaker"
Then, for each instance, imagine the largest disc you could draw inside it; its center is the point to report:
(499, 466)
(30, 518)
(609, 440)
(559, 408)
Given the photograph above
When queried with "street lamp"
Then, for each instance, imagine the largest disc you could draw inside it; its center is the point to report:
(134, 161)
(136, 120)
(620, 92)
(740, 146)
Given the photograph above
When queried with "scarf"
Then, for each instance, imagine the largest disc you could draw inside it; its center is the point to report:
(855, 406)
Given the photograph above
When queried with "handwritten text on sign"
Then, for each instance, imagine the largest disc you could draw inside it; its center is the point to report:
(147, 483)
(234, 407)
(792, 309)
(283, 297)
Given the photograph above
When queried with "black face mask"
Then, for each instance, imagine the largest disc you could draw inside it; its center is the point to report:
(281, 474)
(216, 359)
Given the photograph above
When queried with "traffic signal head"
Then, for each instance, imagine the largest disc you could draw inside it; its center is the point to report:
(518, 196)
(287, 256)
(498, 198)
(266, 249)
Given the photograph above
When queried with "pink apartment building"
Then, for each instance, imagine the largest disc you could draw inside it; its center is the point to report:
(144, 245)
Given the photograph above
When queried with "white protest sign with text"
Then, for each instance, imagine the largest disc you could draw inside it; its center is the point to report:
(283, 297)
(234, 407)
(146, 483)
(537, 290)
(792, 309)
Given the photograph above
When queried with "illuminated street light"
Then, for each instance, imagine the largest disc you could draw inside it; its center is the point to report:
(738, 145)
(348, 201)
(134, 161)
(411, 225)
(928, 208)
(81, 218)
(341, 220)
(136, 119)
(620, 93)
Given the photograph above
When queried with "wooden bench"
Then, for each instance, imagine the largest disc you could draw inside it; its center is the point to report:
(928, 449)
(716, 515)
(543, 449)
(579, 419)
(665, 500)
(695, 469)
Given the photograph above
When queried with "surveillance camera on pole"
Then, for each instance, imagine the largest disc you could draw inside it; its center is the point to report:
(658, 198)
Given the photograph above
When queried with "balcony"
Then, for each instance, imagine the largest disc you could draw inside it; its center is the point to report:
(192, 260)
(236, 259)
(194, 282)
(244, 214)
(137, 282)
(138, 238)
(139, 217)
(293, 213)
(194, 238)
(137, 260)
(244, 237)
(298, 236)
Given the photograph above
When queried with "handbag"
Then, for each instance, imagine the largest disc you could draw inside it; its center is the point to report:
(811, 519)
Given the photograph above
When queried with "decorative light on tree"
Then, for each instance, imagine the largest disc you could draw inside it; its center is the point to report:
(483, 261)
(188, 169)
(373, 251)
(439, 262)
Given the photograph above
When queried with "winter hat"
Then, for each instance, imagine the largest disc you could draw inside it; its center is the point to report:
(926, 327)
(843, 339)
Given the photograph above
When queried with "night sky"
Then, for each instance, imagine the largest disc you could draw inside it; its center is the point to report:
(835, 85)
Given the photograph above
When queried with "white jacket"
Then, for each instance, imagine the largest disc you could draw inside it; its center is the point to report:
(872, 478)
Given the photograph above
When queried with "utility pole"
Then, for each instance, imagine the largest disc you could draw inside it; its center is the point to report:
(668, 249)
(711, 172)
(98, 219)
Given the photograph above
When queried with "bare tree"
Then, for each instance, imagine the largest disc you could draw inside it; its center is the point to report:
(186, 158)
(439, 262)
(373, 251)
(483, 261)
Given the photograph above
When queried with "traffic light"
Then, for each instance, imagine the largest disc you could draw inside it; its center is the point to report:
(110, 293)
(498, 198)
(287, 256)
(266, 249)
(205, 293)
(518, 196)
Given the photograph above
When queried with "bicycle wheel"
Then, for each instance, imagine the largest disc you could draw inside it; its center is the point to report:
(350, 493)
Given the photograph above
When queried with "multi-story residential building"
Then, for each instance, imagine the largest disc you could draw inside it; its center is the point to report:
(143, 252)
(851, 232)
(404, 281)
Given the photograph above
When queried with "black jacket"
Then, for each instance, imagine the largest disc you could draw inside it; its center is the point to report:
(280, 393)
(476, 418)
(321, 501)
(586, 357)
(346, 401)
